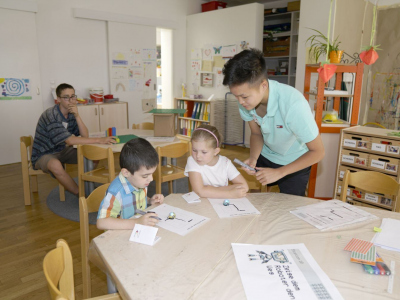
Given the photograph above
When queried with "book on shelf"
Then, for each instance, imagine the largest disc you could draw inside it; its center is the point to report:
(195, 110)
(198, 111)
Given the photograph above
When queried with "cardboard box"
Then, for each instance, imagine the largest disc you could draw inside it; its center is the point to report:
(165, 124)
(293, 6)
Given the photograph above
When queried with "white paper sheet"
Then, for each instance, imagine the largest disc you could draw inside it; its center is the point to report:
(191, 197)
(282, 272)
(332, 214)
(184, 221)
(236, 208)
(389, 237)
(144, 235)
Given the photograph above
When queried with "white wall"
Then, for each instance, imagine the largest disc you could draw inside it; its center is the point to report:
(223, 27)
(74, 50)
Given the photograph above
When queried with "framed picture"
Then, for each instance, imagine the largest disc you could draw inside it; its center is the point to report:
(386, 201)
(206, 79)
(360, 161)
(362, 145)
(391, 167)
(393, 149)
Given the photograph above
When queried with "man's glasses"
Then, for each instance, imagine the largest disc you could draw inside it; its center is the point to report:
(66, 98)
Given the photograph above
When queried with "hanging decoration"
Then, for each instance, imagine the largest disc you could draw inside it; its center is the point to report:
(369, 54)
(327, 70)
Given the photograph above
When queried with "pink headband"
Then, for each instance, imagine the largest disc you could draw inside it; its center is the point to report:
(209, 132)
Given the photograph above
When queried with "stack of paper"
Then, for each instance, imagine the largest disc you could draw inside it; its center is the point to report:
(332, 214)
(362, 252)
(388, 238)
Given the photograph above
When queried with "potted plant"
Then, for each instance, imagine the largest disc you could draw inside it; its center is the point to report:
(318, 45)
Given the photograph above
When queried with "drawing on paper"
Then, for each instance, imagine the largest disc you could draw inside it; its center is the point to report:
(384, 105)
(217, 50)
(233, 207)
(119, 59)
(15, 89)
(278, 256)
(149, 54)
(119, 85)
(244, 45)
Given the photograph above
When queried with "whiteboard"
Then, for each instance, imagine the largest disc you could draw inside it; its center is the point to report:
(132, 66)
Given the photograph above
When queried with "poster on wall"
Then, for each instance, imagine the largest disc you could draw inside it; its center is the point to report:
(119, 59)
(228, 51)
(135, 85)
(219, 78)
(136, 58)
(149, 54)
(119, 73)
(196, 54)
(15, 89)
(195, 64)
(208, 52)
(243, 45)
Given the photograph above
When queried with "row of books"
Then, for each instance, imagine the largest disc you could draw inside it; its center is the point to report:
(195, 110)
(188, 126)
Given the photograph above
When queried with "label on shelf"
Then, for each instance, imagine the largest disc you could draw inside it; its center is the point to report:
(340, 190)
(377, 164)
(393, 149)
(378, 147)
(370, 197)
(349, 143)
(341, 174)
(348, 159)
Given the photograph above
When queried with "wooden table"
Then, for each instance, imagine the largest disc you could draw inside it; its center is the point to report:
(201, 265)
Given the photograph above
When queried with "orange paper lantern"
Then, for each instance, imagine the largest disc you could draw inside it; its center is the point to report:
(369, 56)
(326, 71)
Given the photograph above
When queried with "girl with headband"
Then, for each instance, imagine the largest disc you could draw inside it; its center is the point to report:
(209, 173)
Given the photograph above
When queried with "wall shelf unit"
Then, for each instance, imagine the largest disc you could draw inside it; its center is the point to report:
(280, 47)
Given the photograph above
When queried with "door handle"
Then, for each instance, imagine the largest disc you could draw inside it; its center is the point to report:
(95, 111)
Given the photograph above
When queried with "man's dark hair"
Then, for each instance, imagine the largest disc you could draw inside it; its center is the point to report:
(248, 66)
(137, 153)
(62, 87)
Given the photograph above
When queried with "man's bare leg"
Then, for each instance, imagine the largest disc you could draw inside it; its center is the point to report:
(55, 167)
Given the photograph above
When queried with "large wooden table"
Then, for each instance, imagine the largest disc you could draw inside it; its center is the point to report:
(201, 265)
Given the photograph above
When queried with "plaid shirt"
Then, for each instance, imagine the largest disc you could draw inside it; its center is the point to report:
(121, 200)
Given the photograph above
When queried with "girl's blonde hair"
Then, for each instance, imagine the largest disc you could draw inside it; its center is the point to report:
(207, 133)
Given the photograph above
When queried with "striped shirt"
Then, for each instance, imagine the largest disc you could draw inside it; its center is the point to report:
(121, 199)
(52, 130)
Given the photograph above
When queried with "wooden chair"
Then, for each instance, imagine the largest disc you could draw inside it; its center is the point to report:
(144, 125)
(100, 175)
(169, 173)
(59, 273)
(370, 181)
(29, 175)
(86, 206)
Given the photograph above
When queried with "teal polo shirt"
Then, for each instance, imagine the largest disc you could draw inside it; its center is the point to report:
(288, 125)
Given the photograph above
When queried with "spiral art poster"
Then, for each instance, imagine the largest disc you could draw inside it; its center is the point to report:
(15, 89)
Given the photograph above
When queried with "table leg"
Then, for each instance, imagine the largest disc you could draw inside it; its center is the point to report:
(89, 186)
(173, 162)
(111, 288)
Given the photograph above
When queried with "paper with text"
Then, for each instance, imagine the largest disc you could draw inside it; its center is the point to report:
(235, 208)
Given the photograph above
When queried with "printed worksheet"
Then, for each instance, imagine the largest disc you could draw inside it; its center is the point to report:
(233, 207)
(282, 272)
(183, 222)
(331, 214)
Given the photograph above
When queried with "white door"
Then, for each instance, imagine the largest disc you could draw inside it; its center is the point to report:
(90, 116)
(113, 115)
(133, 64)
(19, 59)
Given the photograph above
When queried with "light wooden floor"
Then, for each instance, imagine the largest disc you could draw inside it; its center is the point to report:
(27, 233)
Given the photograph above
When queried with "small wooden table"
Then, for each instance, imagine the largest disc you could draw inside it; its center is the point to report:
(201, 265)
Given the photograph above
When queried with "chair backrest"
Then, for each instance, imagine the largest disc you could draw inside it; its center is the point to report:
(26, 148)
(59, 273)
(370, 181)
(96, 153)
(144, 125)
(174, 150)
(86, 206)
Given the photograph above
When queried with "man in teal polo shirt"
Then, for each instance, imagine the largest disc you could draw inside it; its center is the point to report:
(284, 140)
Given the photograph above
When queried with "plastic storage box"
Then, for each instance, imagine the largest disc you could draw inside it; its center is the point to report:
(212, 5)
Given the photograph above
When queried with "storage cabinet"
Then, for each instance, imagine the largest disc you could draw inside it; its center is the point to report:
(366, 148)
(100, 117)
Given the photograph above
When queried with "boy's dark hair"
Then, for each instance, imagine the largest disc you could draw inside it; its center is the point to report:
(138, 153)
(62, 87)
(248, 66)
